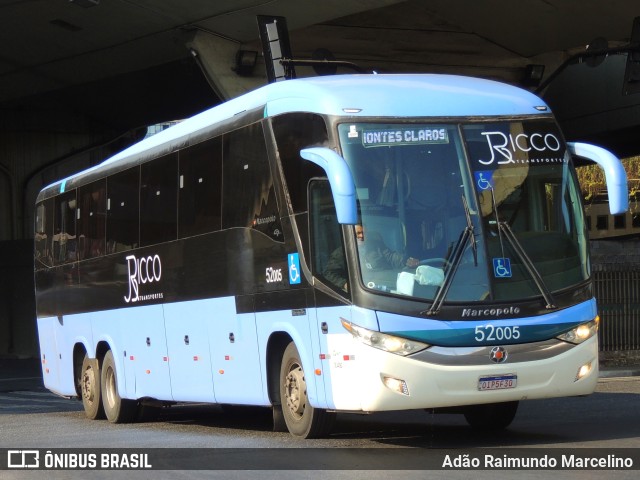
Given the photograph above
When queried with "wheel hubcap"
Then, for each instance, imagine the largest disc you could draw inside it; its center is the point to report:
(296, 390)
(88, 382)
(110, 386)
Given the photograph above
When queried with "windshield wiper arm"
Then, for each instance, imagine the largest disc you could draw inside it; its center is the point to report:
(467, 215)
(528, 264)
(456, 257)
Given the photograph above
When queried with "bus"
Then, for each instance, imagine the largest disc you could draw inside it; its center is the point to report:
(354, 243)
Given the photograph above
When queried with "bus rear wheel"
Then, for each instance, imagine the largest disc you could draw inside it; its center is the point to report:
(491, 416)
(301, 418)
(116, 409)
(90, 388)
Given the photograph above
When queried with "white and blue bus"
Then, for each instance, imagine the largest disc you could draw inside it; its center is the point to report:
(355, 243)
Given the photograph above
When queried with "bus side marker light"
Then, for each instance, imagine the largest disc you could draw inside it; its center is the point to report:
(131, 358)
(195, 359)
(221, 372)
(583, 371)
(318, 372)
(148, 372)
(396, 385)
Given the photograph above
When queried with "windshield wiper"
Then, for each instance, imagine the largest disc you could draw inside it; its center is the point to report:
(456, 257)
(528, 264)
(505, 229)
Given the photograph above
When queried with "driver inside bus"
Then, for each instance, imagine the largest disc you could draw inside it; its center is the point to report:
(374, 255)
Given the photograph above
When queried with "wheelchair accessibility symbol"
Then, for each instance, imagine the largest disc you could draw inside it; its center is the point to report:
(502, 267)
(484, 180)
(294, 269)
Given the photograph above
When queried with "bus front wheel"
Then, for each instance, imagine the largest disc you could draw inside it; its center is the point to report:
(491, 416)
(90, 388)
(301, 418)
(116, 409)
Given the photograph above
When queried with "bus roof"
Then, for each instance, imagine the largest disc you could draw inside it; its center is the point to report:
(389, 95)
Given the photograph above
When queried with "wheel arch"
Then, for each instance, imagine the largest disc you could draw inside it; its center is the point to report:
(79, 352)
(80, 349)
(276, 346)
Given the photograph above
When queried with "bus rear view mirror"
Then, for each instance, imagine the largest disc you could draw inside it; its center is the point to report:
(342, 185)
(613, 170)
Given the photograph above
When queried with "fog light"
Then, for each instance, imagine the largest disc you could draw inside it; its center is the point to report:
(583, 371)
(396, 385)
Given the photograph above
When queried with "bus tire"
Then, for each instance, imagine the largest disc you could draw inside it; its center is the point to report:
(116, 409)
(491, 416)
(90, 388)
(301, 418)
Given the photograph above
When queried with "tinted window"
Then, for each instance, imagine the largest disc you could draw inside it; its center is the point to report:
(200, 188)
(122, 210)
(249, 196)
(159, 200)
(92, 219)
(64, 228)
(329, 260)
(293, 132)
(44, 233)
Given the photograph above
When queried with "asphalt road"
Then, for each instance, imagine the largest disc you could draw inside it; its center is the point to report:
(31, 417)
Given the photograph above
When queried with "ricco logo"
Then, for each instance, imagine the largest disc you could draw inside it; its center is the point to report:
(143, 271)
(504, 148)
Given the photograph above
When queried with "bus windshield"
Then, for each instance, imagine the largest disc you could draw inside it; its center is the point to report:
(463, 213)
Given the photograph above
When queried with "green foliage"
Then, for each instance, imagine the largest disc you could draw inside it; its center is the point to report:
(594, 186)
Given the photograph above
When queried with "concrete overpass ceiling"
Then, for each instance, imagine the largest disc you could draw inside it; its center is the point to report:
(533, 27)
(52, 44)
(57, 52)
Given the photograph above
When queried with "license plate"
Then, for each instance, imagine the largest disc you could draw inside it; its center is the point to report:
(498, 382)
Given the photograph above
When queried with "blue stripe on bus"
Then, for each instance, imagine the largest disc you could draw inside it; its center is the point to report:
(465, 333)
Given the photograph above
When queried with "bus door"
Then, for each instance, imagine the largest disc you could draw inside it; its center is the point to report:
(333, 356)
(329, 265)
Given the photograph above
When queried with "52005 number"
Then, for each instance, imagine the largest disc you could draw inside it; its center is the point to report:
(488, 333)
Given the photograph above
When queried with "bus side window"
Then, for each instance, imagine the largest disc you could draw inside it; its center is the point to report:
(44, 233)
(122, 210)
(328, 261)
(92, 202)
(200, 187)
(293, 132)
(159, 200)
(64, 228)
(248, 191)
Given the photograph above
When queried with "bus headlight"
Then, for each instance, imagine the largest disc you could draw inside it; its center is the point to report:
(382, 341)
(581, 332)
